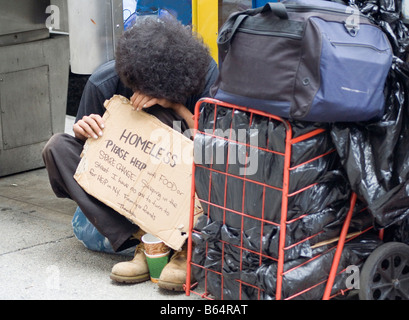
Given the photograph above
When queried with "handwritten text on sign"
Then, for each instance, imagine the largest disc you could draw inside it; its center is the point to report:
(142, 169)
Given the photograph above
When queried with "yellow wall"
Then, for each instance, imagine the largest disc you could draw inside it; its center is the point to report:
(205, 19)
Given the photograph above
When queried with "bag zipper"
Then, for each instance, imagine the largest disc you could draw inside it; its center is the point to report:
(352, 29)
(298, 7)
(344, 44)
(303, 8)
(271, 33)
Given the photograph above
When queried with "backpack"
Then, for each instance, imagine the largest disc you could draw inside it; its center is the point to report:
(308, 60)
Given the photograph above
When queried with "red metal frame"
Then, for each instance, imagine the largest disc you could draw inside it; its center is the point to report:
(289, 142)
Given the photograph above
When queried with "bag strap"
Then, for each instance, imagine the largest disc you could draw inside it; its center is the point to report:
(227, 32)
(277, 8)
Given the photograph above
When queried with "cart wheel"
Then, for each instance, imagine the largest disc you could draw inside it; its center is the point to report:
(385, 274)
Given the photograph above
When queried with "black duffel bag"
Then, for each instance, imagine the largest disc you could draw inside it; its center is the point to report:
(305, 60)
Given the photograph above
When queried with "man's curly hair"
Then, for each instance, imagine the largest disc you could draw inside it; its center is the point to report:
(162, 58)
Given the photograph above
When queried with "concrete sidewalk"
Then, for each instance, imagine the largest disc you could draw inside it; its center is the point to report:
(40, 258)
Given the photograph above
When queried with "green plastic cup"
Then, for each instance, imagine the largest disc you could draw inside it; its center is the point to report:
(156, 263)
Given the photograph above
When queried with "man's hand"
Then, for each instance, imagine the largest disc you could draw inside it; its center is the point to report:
(90, 126)
(141, 101)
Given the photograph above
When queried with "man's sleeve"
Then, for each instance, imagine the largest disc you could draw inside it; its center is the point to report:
(92, 101)
(211, 77)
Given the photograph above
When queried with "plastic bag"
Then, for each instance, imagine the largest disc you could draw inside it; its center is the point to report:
(90, 237)
(234, 247)
(225, 266)
(371, 159)
(375, 155)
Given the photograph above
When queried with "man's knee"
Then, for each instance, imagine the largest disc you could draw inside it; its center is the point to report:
(55, 143)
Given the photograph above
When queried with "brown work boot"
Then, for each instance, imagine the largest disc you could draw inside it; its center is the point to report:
(134, 271)
(173, 276)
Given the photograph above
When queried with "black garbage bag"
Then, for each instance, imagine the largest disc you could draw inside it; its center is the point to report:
(229, 273)
(371, 159)
(375, 155)
(301, 279)
(237, 238)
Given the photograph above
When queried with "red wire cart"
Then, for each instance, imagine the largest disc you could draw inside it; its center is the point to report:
(258, 238)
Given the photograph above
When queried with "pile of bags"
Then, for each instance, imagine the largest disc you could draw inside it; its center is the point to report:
(319, 202)
(375, 154)
(368, 158)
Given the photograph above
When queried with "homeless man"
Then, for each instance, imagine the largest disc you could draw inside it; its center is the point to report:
(164, 69)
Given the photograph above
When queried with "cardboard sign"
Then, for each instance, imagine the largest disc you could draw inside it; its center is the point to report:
(142, 169)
